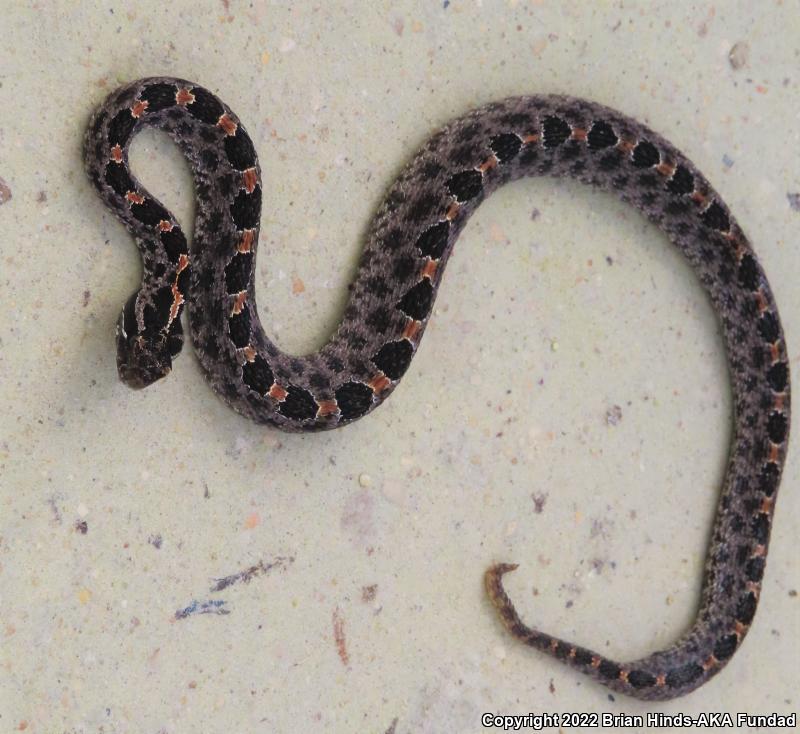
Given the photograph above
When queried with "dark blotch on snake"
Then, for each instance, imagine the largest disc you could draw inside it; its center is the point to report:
(354, 399)
(505, 146)
(760, 528)
(609, 669)
(206, 107)
(748, 272)
(433, 241)
(768, 327)
(684, 675)
(156, 315)
(755, 569)
(257, 375)
(120, 128)
(182, 281)
(174, 243)
(240, 151)
(118, 179)
(742, 554)
(601, 135)
(417, 301)
(778, 376)
(562, 650)
(747, 608)
(582, 657)
(716, 218)
(237, 273)
(641, 679)
(725, 647)
(299, 404)
(777, 427)
(645, 155)
(159, 96)
(246, 209)
(149, 212)
(465, 185)
(239, 328)
(682, 181)
(175, 338)
(393, 358)
(556, 131)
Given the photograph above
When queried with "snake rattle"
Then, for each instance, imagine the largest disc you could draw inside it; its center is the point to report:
(390, 302)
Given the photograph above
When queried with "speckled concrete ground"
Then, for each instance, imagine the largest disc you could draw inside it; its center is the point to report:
(166, 566)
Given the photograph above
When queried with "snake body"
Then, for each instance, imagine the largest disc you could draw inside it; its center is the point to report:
(407, 247)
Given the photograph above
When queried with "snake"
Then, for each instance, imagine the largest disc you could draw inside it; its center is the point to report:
(407, 246)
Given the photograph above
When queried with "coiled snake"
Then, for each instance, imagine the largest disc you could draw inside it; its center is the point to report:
(391, 299)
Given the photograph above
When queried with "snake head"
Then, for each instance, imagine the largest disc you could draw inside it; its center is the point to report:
(145, 355)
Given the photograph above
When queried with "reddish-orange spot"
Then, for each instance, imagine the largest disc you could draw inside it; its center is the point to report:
(710, 662)
(766, 506)
(452, 210)
(775, 351)
(661, 680)
(430, 269)
(759, 551)
(246, 243)
(698, 197)
(530, 139)
(183, 262)
(249, 353)
(761, 301)
(489, 163)
(116, 153)
(184, 96)
(623, 676)
(626, 146)
(134, 198)
(165, 226)
(327, 407)
(228, 125)
(238, 303)
(139, 107)
(740, 629)
(665, 169)
(253, 520)
(249, 178)
(578, 133)
(379, 383)
(338, 636)
(596, 661)
(411, 329)
(277, 392)
(774, 451)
